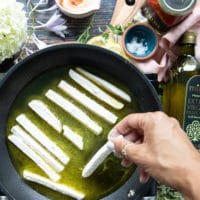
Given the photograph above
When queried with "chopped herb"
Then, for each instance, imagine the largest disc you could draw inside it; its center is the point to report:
(167, 193)
(105, 36)
(117, 30)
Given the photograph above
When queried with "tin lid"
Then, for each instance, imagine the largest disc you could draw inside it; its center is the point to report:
(177, 7)
(189, 37)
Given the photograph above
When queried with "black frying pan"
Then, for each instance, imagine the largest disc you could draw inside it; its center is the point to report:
(63, 55)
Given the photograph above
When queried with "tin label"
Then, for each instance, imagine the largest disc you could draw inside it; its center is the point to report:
(191, 121)
(155, 20)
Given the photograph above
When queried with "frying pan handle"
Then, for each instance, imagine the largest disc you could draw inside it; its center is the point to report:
(124, 13)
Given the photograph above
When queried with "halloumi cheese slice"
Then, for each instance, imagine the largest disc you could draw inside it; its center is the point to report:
(76, 139)
(43, 111)
(106, 85)
(95, 90)
(66, 190)
(73, 110)
(40, 136)
(96, 160)
(34, 157)
(37, 148)
(88, 102)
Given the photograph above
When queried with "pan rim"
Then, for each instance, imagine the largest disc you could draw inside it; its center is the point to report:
(28, 59)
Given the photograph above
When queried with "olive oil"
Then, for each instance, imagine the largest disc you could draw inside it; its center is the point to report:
(182, 93)
(108, 177)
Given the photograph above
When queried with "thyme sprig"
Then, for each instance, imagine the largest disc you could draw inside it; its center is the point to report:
(85, 36)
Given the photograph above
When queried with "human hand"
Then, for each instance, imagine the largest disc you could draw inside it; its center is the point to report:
(158, 145)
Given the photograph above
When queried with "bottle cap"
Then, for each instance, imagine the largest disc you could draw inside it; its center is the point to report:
(178, 7)
(188, 37)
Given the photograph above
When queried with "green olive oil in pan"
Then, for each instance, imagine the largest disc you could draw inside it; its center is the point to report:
(109, 176)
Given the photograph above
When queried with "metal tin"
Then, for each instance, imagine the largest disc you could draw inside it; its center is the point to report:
(178, 7)
(164, 14)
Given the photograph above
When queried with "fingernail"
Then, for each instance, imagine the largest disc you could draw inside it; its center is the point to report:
(120, 137)
(144, 179)
(113, 134)
(111, 146)
(116, 154)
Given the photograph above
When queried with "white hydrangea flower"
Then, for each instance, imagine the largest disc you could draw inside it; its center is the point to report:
(13, 28)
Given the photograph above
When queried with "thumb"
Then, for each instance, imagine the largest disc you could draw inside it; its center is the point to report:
(127, 149)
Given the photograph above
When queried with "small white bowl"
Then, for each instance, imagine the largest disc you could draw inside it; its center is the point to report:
(84, 9)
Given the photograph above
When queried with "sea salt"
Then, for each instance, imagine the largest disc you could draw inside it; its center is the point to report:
(137, 47)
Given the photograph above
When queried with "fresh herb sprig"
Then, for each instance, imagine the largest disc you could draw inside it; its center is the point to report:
(116, 31)
(85, 36)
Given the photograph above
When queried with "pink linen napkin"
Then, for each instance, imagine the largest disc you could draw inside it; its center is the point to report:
(167, 51)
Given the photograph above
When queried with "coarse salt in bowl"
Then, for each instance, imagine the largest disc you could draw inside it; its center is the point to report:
(139, 41)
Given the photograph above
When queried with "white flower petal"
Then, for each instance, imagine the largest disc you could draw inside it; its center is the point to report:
(54, 24)
(13, 31)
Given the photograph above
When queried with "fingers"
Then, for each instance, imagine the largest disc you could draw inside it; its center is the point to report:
(130, 127)
(126, 163)
(129, 152)
(131, 123)
(144, 177)
(127, 149)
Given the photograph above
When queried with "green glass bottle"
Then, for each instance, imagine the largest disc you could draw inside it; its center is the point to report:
(182, 93)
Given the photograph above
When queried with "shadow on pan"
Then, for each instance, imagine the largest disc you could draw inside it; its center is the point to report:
(63, 55)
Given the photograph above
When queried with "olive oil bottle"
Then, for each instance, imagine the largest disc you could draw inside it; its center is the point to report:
(182, 93)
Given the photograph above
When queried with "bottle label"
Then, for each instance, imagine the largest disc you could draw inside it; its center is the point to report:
(192, 110)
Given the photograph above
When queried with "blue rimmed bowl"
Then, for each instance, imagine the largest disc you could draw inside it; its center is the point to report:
(140, 41)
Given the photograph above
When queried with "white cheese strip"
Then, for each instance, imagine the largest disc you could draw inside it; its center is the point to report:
(88, 102)
(37, 148)
(96, 160)
(95, 90)
(34, 157)
(76, 139)
(73, 110)
(35, 132)
(66, 190)
(43, 111)
(106, 85)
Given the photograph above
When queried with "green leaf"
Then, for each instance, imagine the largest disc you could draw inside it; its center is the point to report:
(105, 36)
(118, 29)
(167, 193)
(85, 36)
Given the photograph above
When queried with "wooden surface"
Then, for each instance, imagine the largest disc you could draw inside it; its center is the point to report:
(76, 26)
(124, 13)
(103, 17)
(116, 12)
